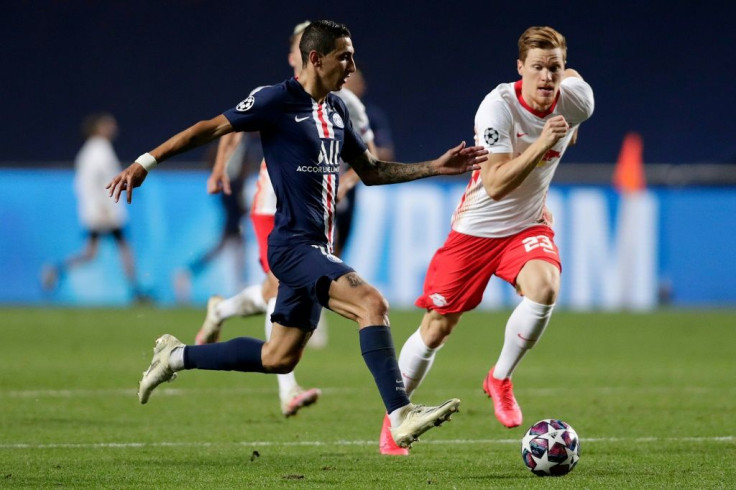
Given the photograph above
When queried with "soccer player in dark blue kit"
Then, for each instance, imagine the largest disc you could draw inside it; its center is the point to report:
(304, 130)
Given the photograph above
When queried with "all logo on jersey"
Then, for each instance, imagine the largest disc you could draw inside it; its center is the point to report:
(330, 155)
(337, 120)
(246, 104)
(328, 160)
(490, 136)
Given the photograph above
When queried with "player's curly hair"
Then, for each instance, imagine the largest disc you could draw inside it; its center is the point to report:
(320, 36)
(542, 37)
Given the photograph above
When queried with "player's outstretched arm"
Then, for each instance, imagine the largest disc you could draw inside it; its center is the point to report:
(454, 161)
(199, 134)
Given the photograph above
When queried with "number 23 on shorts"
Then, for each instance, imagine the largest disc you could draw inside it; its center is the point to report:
(539, 241)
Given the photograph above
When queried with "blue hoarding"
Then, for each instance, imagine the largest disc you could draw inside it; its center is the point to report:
(635, 251)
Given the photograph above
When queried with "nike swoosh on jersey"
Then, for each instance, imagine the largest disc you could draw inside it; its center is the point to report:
(300, 119)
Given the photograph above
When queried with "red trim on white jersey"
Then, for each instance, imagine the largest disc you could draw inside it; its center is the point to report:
(500, 122)
(468, 189)
(542, 114)
(264, 199)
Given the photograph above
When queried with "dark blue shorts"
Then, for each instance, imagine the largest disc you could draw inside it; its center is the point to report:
(305, 273)
(116, 233)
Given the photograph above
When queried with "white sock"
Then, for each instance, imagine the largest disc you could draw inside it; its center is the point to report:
(524, 327)
(247, 302)
(415, 360)
(398, 415)
(269, 311)
(286, 381)
(318, 340)
(176, 359)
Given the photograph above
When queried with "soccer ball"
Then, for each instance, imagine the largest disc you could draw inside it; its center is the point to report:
(550, 448)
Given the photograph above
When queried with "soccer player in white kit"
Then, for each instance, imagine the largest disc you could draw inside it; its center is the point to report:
(95, 164)
(261, 298)
(501, 226)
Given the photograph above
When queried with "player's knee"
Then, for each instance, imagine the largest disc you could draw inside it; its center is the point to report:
(543, 288)
(375, 304)
(436, 327)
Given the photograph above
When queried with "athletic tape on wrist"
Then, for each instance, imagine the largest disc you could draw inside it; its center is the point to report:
(146, 161)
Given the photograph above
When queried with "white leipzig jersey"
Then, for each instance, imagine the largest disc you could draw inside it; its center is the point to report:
(264, 199)
(97, 164)
(504, 123)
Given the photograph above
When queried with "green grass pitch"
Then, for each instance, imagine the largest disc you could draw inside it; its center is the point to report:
(652, 396)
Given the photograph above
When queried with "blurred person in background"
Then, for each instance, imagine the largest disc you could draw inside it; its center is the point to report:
(231, 241)
(95, 164)
(501, 225)
(379, 120)
(379, 133)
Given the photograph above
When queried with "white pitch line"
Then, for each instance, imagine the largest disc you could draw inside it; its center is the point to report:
(449, 442)
(90, 393)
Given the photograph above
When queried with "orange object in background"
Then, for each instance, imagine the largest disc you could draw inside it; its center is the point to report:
(629, 173)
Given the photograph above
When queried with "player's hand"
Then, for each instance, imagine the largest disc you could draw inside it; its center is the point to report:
(131, 177)
(218, 181)
(460, 159)
(554, 129)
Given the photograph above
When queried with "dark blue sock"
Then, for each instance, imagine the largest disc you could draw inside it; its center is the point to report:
(378, 352)
(240, 354)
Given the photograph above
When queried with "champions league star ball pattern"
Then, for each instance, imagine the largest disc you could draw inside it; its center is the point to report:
(491, 136)
(550, 448)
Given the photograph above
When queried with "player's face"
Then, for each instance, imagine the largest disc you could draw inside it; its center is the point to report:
(541, 75)
(108, 128)
(338, 64)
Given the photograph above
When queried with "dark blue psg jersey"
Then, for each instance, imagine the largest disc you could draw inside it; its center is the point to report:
(303, 142)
